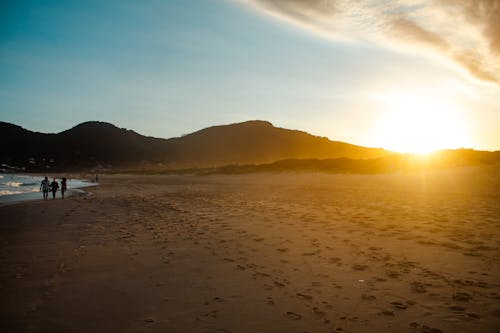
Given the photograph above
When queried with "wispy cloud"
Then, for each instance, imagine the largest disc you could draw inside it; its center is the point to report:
(465, 32)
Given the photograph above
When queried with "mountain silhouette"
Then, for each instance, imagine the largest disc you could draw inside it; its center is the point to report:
(259, 142)
(251, 146)
(93, 144)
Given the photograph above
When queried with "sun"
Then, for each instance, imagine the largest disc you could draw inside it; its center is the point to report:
(420, 124)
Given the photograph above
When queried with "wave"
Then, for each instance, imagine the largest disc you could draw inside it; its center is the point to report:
(9, 192)
(17, 184)
(13, 184)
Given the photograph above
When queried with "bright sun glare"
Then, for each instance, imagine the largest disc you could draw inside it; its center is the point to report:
(421, 124)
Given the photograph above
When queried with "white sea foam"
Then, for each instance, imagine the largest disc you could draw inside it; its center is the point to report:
(13, 184)
(16, 184)
(8, 192)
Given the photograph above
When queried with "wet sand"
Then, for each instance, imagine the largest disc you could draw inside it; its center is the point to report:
(257, 253)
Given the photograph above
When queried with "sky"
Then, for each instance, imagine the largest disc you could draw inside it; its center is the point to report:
(406, 75)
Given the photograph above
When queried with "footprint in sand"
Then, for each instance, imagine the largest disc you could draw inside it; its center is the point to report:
(424, 328)
(359, 267)
(327, 305)
(387, 313)
(311, 253)
(304, 296)
(462, 297)
(393, 274)
(399, 305)
(293, 315)
(457, 308)
(212, 314)
(281, 284)
(317, 311)
(336, 285)
(366, 297)
(471, 315)
(418, 287)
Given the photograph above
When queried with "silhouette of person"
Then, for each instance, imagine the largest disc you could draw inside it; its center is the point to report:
(44, 187)
(63, 186)
(53, 187)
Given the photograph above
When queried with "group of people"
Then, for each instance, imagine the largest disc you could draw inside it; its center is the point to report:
(46, 186)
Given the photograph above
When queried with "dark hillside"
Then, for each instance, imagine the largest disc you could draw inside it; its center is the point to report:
(97, 144)
(260, 142)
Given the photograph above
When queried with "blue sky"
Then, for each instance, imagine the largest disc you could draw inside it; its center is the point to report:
(166, 68)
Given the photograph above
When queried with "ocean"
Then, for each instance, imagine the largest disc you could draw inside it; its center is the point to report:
(18, 187)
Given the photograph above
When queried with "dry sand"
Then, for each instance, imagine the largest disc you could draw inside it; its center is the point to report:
(257, 253)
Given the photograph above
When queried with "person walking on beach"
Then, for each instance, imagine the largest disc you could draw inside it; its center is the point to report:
(63, 186)
(53, 187)
(44, 187)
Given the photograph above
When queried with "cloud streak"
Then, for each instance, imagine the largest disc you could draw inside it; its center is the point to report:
(466, 32)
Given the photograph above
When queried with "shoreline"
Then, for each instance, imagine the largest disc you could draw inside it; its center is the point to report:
(34, 194)
(15, 199)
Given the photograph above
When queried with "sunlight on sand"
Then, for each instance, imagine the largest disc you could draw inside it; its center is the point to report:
(409, 252)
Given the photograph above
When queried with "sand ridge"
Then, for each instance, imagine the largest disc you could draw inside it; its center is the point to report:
(257, 253)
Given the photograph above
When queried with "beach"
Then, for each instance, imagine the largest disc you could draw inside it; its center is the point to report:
(16, 188)
(291, 252)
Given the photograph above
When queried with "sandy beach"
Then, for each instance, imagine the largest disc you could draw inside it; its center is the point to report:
(257, 253)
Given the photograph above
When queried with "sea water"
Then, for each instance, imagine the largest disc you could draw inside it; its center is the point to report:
(17, 187)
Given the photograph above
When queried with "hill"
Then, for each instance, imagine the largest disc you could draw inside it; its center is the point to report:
(259, 142)
(90, 144)
(103, 145)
